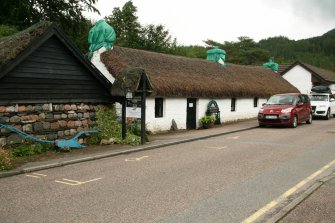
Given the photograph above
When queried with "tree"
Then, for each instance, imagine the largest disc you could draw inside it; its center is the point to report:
(190, 51)
(7, 30)
(245, 51)
(67, 14)
(130, 33)
(156, 38)
(126, 26)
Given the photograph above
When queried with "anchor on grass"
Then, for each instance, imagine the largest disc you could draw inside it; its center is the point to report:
(62, 144)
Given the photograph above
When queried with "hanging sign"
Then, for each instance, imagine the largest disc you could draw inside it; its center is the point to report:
(133, 109)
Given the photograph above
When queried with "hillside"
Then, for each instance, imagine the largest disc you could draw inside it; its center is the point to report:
(318, 51)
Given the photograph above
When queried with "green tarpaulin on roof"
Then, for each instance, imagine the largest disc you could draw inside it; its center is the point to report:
(101, 35)
(271, 65)
(216, 55)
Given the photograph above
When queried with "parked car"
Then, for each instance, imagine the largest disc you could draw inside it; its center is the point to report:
(286, 109)
(323, 105)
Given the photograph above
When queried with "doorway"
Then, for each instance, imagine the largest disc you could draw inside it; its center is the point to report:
(191, 116)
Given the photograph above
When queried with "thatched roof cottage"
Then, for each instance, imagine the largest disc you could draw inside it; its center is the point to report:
(183, 88)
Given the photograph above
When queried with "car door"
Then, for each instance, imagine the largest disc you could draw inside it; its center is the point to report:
(302, 110)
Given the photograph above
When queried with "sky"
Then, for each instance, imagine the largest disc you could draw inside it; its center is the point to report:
(192, 22)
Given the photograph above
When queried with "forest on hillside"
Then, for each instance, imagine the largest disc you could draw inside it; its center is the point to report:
(68, 15)
(318, 51)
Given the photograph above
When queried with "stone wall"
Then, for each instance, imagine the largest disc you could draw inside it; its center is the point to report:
(46, 121)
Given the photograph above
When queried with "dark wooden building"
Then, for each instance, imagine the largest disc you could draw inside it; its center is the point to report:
(42, 65)
(47, 87)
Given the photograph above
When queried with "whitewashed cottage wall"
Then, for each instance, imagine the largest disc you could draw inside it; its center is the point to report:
(175, 108)
(300, 78)
(96, 60)
(244, 108)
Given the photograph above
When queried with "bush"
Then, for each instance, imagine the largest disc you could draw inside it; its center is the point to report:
(29, 149)
(207, 119)
(111, 127)
(5, 160)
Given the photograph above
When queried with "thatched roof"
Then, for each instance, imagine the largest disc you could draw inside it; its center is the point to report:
(11, 46)
(326, 75)
(175, 76)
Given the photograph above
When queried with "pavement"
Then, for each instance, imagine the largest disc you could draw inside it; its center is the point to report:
(316, 204)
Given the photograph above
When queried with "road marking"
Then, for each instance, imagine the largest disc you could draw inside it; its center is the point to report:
(136, 159)
(216, 147)
(233, 137)
(285, 195)
(36, 175)
(75, 182)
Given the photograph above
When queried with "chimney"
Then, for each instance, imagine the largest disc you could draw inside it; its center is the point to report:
(271, 65)
(217, 55)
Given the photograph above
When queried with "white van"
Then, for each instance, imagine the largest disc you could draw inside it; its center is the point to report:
(323, 105)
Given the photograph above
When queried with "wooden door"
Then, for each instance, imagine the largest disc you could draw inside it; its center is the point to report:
(191, 119)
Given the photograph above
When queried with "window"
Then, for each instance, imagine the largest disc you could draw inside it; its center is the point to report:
(233, 104)
(255, 102)
(158, 107)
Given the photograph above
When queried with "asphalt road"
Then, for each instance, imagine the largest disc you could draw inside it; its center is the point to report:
(220, 179)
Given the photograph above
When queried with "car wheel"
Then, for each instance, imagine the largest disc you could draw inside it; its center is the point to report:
(310, 119)
(261, 125)
(294, 122)
(328, 115)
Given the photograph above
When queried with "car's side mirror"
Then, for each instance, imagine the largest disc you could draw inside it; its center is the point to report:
(332, 99)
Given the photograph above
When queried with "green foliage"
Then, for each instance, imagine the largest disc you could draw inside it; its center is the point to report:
(245, 51)
(107, 122)
(126, 25)
(207, 119)
(318, 51)
(130, 33)
(7, 30)
(190, 51)
(67, 14)
(156, 38)
(110, 125)
(5, 160)
(29, 149)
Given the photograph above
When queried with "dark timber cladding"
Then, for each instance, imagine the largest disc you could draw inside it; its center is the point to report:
(52, 73)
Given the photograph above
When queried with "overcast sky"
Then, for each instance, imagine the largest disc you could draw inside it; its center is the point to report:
(191, 22)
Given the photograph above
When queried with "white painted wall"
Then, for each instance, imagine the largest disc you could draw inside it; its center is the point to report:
(100, 65)
(300, 78)
(175, 108)
(244, 108)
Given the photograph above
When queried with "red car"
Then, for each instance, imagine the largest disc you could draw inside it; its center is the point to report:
(286, 109)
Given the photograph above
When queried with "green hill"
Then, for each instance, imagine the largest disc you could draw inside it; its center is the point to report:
(318, 51)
